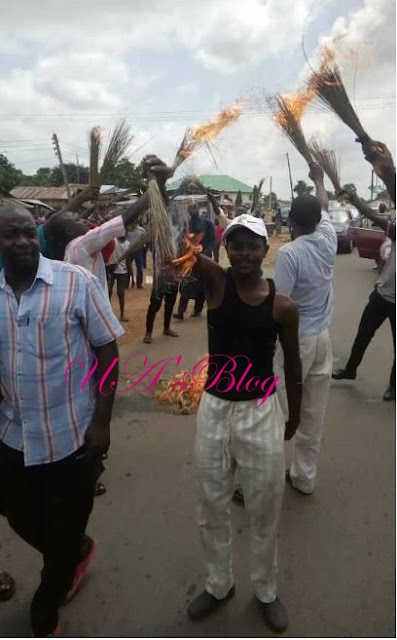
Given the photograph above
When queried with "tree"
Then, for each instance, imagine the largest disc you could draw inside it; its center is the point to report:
(126, 175)
(302, 189)
(239, 199)
(9, 176)
(76, 174)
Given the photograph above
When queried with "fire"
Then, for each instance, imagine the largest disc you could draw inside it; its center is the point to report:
(182, 393)
(295, 104)
(205, 133)
(210, 130)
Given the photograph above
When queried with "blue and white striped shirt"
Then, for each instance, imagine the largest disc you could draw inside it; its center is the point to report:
(61, 317)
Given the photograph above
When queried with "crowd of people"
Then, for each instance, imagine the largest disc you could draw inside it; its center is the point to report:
(55, 284)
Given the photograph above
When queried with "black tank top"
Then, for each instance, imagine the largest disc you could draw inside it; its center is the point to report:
(240, 334)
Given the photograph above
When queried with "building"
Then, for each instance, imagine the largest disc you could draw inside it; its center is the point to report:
(225, 186)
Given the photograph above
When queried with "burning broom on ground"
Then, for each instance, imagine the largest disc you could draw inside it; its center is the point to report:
(287, 114)
(182, 393)
(326, 158)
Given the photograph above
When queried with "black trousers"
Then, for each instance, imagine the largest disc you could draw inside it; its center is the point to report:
(186, 295)
(169, 294)
(48, 506)
(122, 280)
(375, 313)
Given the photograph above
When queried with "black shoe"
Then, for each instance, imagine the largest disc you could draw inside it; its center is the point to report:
(206, 603)
(344, 374)
(275, 615)
(389, 395)
(289, 480)
(178, 316)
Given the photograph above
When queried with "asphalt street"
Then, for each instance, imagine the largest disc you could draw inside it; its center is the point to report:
(336, 547)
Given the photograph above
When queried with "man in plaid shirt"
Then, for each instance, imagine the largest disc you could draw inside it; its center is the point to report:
(53, 317)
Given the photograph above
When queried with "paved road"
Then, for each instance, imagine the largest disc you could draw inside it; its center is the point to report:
(336, 547)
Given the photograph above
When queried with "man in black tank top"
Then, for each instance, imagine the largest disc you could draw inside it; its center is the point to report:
(239, 423)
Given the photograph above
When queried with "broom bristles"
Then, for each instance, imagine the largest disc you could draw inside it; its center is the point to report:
(327, 84)
(286, 118)
(160, 231)
(95, 151)
(326, 159)
(119, 141)
(204, 133)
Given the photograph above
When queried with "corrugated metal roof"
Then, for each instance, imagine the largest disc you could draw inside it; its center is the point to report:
(42, 193)
(221, 183)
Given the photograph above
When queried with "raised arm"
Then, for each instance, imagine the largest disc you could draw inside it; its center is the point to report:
(212, 276)
(382, 161)
(161, 172)
(286, 314)
(366, 211)
(317, 176)
(86, 195)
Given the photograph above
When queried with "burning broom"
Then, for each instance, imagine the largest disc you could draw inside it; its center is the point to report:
(160, 230)
(287, 114)
(202, 134)
(328, 86)
(182, 393)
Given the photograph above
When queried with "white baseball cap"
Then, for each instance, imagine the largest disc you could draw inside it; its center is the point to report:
(246, 221)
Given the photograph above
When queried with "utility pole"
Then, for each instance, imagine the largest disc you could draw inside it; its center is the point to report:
(290, 177)
(58, 153)
(270, 194)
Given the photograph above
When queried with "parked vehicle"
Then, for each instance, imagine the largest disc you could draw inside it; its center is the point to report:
(344, 219)
(368, 238)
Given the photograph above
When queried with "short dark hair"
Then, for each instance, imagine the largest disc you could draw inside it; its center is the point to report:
(382, 207)
(305, 212)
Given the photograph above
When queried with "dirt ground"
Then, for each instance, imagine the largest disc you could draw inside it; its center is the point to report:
(137, 300)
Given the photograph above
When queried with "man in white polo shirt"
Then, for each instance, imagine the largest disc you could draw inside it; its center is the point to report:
(304, 272)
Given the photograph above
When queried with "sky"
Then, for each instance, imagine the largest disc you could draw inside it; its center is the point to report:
(66, 67)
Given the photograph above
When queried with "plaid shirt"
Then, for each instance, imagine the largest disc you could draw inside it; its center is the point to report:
(60, 318)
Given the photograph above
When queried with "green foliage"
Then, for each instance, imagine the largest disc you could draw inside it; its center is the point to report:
(9, 176)
(239, 199)
(126, 175)
(302, 189)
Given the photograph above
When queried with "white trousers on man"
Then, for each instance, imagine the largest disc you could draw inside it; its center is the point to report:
(230, 436)
(316, 358)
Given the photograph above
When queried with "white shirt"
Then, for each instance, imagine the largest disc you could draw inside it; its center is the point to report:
(85, 250)
(121, 248)
(304, 272)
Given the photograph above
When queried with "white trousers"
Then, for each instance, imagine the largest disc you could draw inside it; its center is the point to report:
(316, 358)
(234, 435)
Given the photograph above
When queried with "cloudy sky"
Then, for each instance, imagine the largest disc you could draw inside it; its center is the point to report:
(66, 66)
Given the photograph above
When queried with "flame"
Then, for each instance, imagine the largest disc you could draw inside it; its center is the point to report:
(210, 130)
(182, 393)
(295, 104)
(205, 133)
